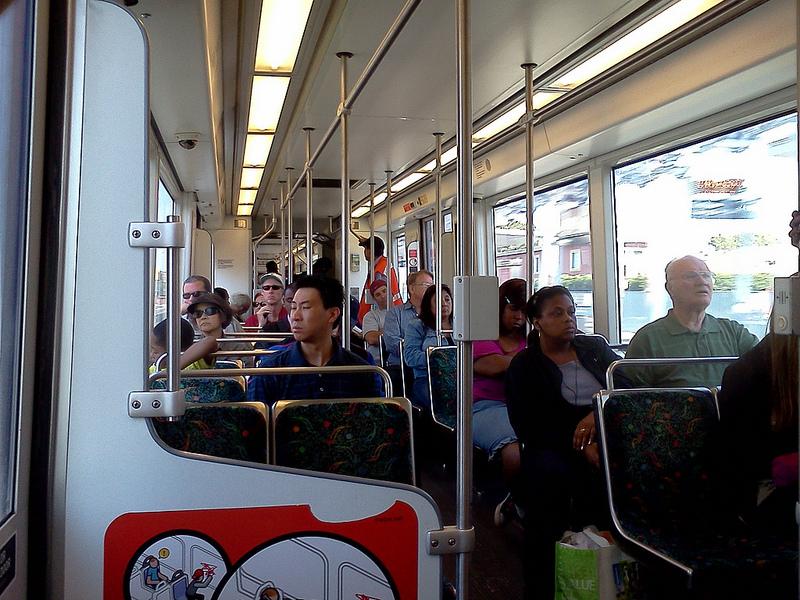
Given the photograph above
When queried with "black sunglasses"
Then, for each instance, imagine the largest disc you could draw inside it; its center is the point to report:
(207, 311)
(188, 295)
(260, 304)
(271, 287)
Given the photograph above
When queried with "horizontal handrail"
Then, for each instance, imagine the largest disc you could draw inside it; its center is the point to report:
(255, 371)
(253, 339)
(253, 333)
(654, 362)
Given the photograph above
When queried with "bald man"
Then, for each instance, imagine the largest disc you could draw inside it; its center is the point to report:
(687, 331)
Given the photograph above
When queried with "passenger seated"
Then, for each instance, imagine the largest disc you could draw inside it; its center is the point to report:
(759, 427)
(549, 390)
(240, 304)
(374, 320)
(211, 314)
(271, 314)
(316, 310)
(192, 353)
(258, 302)
(397, 321)
(421, 335)
(687, 331)
(491, 429)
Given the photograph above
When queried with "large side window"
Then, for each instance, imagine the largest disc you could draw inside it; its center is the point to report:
(726, 200)
(165, 207)
(562, 252)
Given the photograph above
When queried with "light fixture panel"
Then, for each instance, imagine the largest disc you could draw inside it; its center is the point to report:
(251, 178)
(256, 149)
(266, 102)
(280, 32)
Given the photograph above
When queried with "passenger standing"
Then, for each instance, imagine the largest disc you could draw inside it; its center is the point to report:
(380, 269)
(374, 320)
(549, 389)
(687, 331)
(316, 310)
(421, 335)
(491, 429)
(397, 321)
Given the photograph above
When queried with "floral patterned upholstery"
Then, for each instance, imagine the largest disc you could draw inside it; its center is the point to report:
(226, 430)
(443, 378)
(208, 389)
(666, 494)
(364, 438)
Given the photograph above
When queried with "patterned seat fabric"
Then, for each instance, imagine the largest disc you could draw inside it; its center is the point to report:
(443, 373)
(208, 389)
(665, 490)
(223, 430)
(364, 438)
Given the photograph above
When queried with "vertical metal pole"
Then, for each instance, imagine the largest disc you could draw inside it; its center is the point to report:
(529, 262)
(283, 229)
(437, 231)
(290, 255)
(387, 206)
(343, 114)
(465, 267)
(372, 237)
(174, 314)
(309, 214)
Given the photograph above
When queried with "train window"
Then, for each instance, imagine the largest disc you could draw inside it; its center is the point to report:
(726, 200)
(165, 208)
(562, 253)
(430, 243)
(15, 100)
(399, 258)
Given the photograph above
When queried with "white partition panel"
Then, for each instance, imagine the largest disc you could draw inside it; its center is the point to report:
(136, 519)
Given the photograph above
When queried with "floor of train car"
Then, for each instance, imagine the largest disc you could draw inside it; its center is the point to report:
(496, 564)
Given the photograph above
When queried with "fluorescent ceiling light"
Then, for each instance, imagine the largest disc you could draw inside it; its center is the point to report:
(244, 210)
(247, 197)
(645, 34)
(280, 32)
(379, 198)
(428, 167)
(360, 211)
(407, 181)
(251, 178)
(256, 149)
(266, 102)
(502, 122)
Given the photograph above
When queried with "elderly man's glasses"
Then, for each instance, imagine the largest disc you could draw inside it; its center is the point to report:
(706, 276)
(271, 287)
(188, 295)
(260, 304)
(207, 311)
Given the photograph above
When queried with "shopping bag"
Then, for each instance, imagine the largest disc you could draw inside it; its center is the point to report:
(589, 567)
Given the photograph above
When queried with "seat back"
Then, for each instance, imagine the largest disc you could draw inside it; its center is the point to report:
(369, 437)
(443, 384)
(657, 448)
(236, 430)
(206, 390)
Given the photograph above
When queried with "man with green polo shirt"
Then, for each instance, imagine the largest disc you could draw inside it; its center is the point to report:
(687, 332)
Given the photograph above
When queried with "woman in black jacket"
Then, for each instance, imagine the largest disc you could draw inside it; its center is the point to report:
(549, 387)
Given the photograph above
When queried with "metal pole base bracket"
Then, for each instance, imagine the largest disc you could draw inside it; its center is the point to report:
(451, 540)
(157, 235)
(158, 403)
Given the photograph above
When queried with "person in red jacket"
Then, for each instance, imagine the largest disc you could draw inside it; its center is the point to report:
(380, 273)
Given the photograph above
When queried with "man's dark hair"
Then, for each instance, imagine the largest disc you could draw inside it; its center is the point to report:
(204, 280)
(222, 293)
(379, 246)
(330, 290)
(512, 293)
(272, 266)
(426, 313)
(187, 334)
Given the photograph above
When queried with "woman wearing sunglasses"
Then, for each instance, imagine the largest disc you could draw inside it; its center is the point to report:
(211, 315)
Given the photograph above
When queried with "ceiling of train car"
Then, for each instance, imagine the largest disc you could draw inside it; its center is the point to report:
(412, 95)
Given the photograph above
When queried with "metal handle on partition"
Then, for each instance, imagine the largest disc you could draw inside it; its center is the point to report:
(171, 236)
(288, 371)
(651, 362)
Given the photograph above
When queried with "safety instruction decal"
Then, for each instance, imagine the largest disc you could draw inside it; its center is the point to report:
(270, 553)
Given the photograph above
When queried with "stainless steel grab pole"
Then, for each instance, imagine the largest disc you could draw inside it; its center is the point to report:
(437, 231)
(174, 316)
(309, 213)
(464, 201)
(283, 229)
(345, 208)
(387, 206)
(529, 271)
(372, 236)
(289, 198)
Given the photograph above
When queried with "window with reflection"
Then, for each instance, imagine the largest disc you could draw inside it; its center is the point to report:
(562, 252)
(726, 200)
(165, 208)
